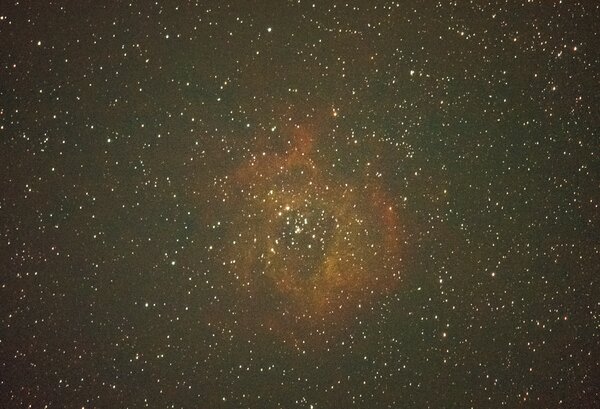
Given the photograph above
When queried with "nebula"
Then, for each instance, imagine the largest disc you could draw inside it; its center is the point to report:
(308, 248)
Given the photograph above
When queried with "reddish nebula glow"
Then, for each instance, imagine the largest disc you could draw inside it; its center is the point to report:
(308, 250)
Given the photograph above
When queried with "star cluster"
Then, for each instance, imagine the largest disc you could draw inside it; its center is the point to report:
(299, 204)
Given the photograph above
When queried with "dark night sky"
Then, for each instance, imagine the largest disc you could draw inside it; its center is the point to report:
(295, 204)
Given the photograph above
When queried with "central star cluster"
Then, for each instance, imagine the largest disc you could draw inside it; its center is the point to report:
(303, 237)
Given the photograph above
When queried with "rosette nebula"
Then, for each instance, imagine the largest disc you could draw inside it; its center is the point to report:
(308, 248)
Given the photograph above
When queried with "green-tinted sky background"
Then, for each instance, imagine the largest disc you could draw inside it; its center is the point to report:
(122, 124)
